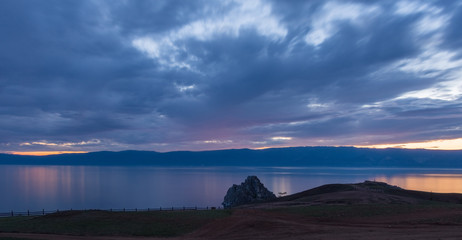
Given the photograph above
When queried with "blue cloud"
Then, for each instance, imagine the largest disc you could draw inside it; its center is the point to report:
(166, 75)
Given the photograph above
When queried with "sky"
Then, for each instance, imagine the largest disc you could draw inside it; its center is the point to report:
(79, 76)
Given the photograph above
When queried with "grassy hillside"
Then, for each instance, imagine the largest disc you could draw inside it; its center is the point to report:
(367, 209)
(104, 223)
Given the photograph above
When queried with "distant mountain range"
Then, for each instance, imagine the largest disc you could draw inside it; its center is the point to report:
(293, 156)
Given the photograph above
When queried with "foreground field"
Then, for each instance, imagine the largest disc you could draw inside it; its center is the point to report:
(367, 210)
(105, 223)
(391, 221)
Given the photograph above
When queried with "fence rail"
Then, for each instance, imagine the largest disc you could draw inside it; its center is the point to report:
(45, 212)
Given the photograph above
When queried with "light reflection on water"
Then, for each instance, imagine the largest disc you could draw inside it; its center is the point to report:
(85, 187)
(441, 183)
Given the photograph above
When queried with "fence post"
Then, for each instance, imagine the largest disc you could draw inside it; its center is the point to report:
(195, 208)
(43, 211)
(28, 214)
(124, 209)
(12, 214)
(172, 208)
(136, 209)
(148, 209)
(160, 208)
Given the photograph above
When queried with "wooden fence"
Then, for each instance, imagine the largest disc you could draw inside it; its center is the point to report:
(45, 212)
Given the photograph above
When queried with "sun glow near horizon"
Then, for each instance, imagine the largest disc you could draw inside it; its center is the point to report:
(44, 153)
(440, 144)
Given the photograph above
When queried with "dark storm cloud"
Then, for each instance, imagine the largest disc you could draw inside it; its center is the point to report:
(454, 32)
(168, 75)
(60, 59)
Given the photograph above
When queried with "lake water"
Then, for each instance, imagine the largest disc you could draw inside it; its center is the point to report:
(89, 187)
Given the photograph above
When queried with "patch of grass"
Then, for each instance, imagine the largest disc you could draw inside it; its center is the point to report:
(99, 223)
(13, 238)
(362, 210)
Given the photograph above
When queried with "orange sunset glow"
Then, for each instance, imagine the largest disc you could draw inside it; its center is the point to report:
(440, 183)
(441, 144)
(45, 153)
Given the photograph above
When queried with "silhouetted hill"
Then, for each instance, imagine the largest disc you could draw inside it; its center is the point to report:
(368, 192)
(295, 156)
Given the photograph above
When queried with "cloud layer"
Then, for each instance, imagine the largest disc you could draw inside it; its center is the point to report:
(174, 75)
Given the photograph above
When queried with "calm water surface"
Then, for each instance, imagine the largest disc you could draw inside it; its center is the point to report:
(85, 187)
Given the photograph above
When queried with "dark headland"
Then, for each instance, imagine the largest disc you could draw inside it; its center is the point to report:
(368, 192)
(368, 210)
(273, 157)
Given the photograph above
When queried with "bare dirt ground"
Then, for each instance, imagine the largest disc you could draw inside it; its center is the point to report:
(263, 224)
(257, 224)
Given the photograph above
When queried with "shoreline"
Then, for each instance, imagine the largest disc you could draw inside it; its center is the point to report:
(335, 211)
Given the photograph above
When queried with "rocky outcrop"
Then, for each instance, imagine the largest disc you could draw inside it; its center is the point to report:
(250, 191)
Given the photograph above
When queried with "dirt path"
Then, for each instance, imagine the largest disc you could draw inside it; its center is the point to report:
(257, 224)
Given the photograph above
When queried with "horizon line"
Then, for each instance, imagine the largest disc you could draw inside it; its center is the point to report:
(381, 146)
